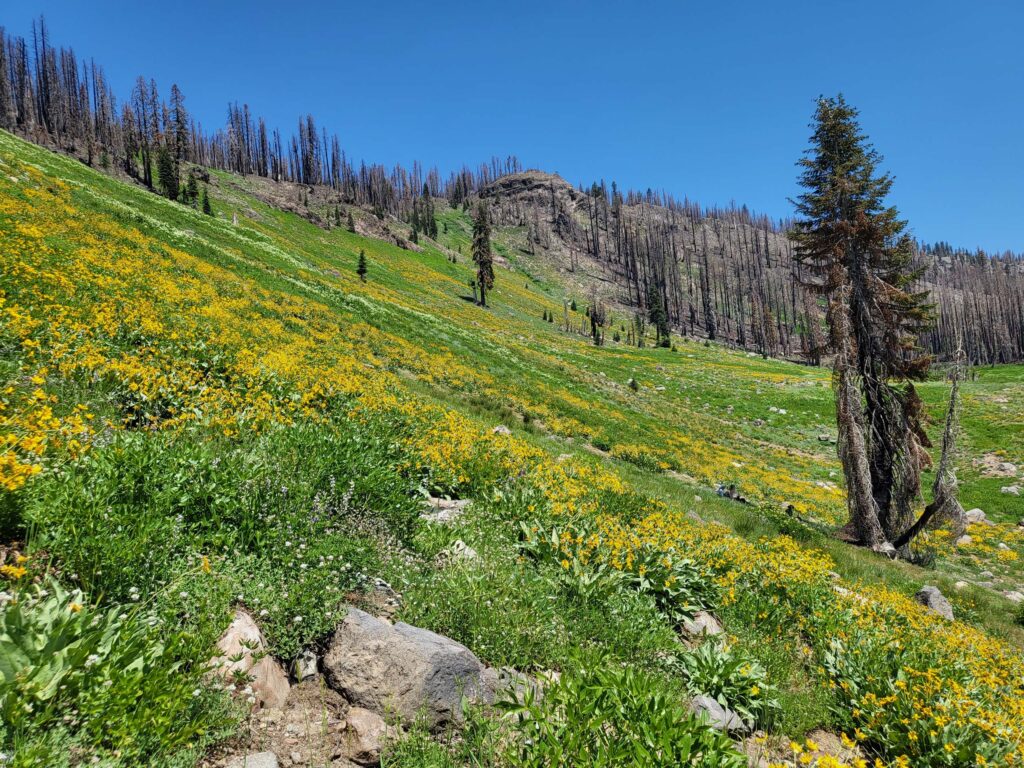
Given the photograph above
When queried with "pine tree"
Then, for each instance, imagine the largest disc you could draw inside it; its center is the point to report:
(361, 266)
(853, 248)
(482, 256)
(207, 208)
(351, 224)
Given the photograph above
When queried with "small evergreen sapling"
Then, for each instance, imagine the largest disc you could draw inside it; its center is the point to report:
(361, 266)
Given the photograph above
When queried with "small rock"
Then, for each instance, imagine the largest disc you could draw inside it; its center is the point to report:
(1013, 490)
(444, 511)
(987, 575)
(720, 718)
(240, 644)
(702, 623)
(659, 389)
(501, 429)
(1020, 523)
(823, 438)
(1007, 468)
(758, 422)
(932, 599)
(1003, 546)
(296, 758)
(1015, 597)
(985, 584)
(459, 551)
(364, 735)
(255, 760)
(964, 540)
(961, 585)
(304, 667)
(976, 516)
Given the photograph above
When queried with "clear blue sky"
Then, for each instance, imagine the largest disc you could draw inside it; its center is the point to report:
(706, 99)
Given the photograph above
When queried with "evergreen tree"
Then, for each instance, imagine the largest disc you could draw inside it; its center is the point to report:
(207, 208)
(191, 189)
(361, 266)
(351, 223)
(853, 248)
(482, 256)
(658, 316)
(168, 171)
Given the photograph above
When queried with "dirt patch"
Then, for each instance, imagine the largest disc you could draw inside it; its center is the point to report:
(309, 731)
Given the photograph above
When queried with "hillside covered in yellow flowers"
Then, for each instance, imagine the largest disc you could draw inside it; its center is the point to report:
(205, 413)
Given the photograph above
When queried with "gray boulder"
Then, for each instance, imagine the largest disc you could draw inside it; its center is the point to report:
(932, 599)
(1013, 490)
(402, 669)
(718, 717)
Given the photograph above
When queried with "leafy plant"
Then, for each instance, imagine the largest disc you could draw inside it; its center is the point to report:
(603, 715)
(731, 678)
(115, 676)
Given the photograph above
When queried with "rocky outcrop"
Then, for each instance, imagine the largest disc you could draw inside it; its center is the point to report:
(406, 670)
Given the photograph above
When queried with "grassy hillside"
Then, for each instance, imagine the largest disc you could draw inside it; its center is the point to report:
(197, 414)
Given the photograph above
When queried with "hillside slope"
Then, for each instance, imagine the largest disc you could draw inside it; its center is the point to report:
(728, 274)
(199, 414)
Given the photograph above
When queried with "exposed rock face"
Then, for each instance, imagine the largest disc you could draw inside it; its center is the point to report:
(1013, 490)
(401, 668)
(244, 651)
(720, 718)
(932, 599)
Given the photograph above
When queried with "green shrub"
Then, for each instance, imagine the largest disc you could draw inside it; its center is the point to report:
(121, 680)
(604, 715)
(733, 679)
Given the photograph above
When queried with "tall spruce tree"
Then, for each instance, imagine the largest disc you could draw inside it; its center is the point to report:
(853, 248)
(482, 256)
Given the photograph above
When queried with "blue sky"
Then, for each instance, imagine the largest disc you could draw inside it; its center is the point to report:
(705, 99)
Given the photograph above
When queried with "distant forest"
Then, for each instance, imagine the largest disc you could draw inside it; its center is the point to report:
(724, 274)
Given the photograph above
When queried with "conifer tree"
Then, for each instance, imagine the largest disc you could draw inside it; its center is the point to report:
(351, 224)
(853, 248)
(168, 171)
(361, 266)
(482, 256)
(207, 208)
